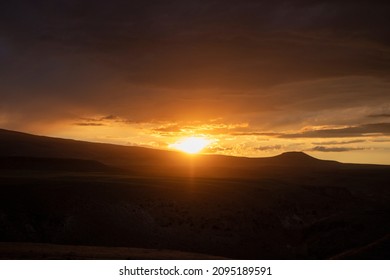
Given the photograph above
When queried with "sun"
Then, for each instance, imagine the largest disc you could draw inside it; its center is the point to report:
(191, 145)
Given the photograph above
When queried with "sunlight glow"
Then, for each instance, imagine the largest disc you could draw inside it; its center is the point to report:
(191, 145)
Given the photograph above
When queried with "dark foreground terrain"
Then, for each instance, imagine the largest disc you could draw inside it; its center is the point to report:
(107, 197)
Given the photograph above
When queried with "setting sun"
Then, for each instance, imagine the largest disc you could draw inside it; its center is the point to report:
(191, 145)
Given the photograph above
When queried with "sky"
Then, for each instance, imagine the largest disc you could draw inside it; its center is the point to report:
(256, 78)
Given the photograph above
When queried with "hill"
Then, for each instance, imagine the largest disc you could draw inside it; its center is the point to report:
(53, 164)
(18, 145)
(291, 206)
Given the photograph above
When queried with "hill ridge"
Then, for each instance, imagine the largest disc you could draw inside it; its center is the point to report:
(290, 154)
(15, 143)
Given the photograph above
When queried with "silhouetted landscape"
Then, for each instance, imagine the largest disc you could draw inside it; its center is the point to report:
(66, 199)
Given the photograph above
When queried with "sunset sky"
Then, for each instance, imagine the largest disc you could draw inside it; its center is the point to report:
(255, 78)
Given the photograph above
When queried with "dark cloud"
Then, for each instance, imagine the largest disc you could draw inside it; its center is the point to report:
(109, 117)
(103, 121)
(334, 149)
(274, 64)
(355, 131)
(89, 124)
(379, 116)
(242, 44)
(380, 140)
(270, 134)
(268, 148)
(339, 142)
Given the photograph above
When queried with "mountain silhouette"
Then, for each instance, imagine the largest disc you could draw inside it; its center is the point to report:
(296, 156)
(300, 158)
(90, 195)
(17, 144)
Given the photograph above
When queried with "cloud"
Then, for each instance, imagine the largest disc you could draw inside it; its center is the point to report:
(217, 149)
(171, 128)
(155, 45)
(379, 116)
(365, 130)
(209, 127)
(104, 121)
(359, 92)
(254, 133)
(89, 124)
(109, 117)
(268, 148)
(339, 142)
(277, 66)
(380, 140)
(375, 129)
(334, 149)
